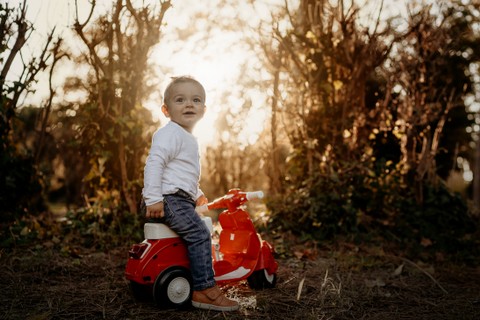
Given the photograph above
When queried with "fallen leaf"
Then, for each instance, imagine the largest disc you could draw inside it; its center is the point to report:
(375, 283)
(298, 254)
(300, 287)
(398, 271)
(426, 242)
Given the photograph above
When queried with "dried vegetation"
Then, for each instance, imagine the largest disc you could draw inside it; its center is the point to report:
(334, 284)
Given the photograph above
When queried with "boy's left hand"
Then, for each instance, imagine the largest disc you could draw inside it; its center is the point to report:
(201, 200)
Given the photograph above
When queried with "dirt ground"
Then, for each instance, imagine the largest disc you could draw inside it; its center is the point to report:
(45, 284)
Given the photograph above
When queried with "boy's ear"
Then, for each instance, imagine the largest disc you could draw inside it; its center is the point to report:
(165, 111)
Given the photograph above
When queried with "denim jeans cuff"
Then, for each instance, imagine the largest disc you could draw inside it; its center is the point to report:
(204, 286)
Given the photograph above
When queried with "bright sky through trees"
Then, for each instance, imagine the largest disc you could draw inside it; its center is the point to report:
(215, 60)
(212, 51)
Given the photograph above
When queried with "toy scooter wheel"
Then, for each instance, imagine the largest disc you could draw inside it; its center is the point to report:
(261, 279)
(173, 288)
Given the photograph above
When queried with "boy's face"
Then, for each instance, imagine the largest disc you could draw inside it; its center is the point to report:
(185, 105)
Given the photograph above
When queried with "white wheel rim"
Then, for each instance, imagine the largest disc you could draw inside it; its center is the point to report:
(178, 290)
(269, 277)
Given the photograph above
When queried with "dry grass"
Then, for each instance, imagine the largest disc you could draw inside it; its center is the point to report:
(49, 285)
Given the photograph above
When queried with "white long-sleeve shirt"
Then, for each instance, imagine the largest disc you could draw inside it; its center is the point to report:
(173, 163)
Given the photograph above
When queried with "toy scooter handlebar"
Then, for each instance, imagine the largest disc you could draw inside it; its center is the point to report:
(232, 199)
(202, 208)
(254, 195)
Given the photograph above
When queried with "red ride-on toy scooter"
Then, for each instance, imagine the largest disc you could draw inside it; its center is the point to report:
(159, 266)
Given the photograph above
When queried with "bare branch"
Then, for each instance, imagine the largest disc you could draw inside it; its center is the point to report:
(23, 27)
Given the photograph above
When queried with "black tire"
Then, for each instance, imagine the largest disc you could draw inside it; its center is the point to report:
(140, 292)
(173, 289)
(261, 279)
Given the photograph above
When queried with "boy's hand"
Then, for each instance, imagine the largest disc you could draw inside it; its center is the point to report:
(201, 200)
(155, 210)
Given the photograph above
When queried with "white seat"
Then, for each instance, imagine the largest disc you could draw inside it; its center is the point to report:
(156, 231)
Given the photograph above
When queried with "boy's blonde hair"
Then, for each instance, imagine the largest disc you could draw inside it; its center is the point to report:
(181, 79)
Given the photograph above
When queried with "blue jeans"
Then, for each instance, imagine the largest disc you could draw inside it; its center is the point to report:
(181, 217)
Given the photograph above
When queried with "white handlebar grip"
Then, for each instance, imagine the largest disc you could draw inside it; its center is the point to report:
(254, 195)
(201, 209)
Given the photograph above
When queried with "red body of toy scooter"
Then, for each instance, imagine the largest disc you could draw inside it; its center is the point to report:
(159, 266)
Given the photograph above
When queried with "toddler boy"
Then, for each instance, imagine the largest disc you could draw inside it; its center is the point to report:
(171, 186)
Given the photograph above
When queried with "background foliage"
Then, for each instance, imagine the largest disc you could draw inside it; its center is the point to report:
(367, 120)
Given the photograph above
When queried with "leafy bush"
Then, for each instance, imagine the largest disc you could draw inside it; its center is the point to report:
(363, 204)
(99, 225)
(102, 223)
(320, 207)
(20, 185)
(441, 223)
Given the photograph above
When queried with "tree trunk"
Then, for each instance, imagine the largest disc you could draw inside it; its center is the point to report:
(275, 183)
(476, 180)
(128, 193)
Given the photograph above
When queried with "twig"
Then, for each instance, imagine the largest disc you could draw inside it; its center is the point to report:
(300, 287)
(426, 273)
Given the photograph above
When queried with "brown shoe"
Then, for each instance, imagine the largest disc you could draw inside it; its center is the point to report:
(213, 299)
